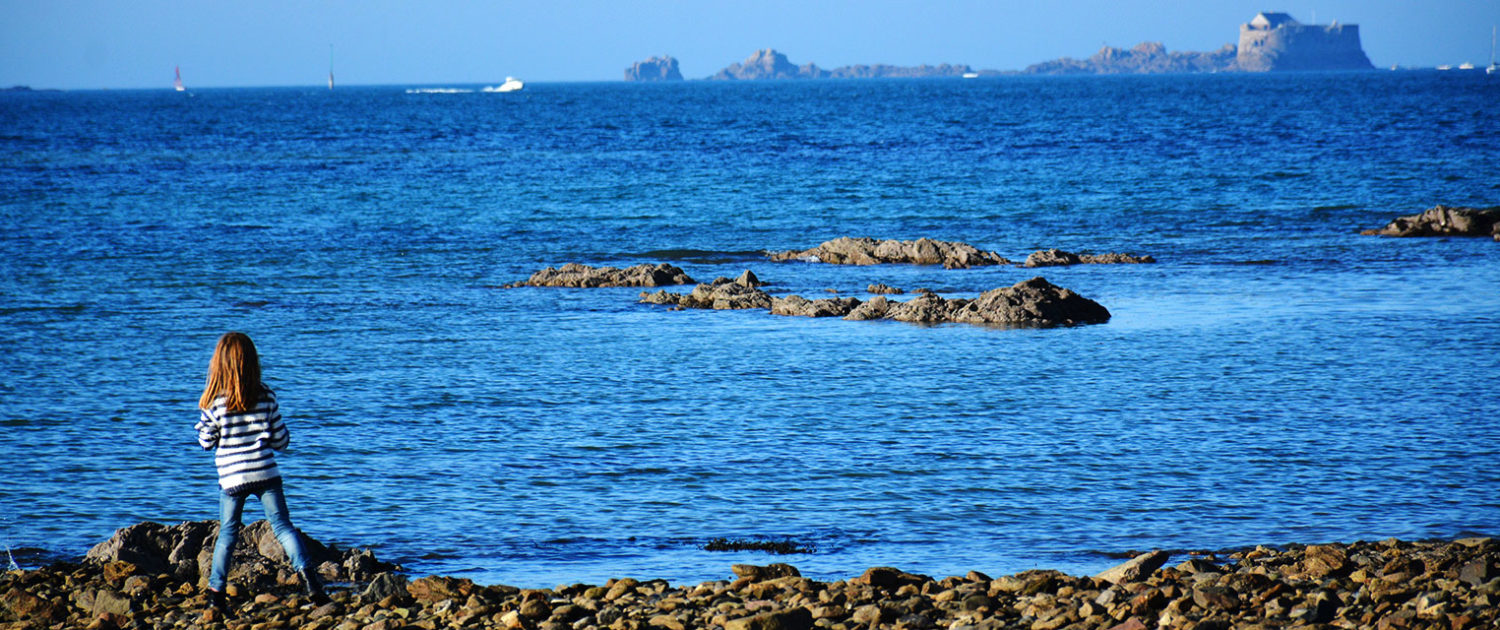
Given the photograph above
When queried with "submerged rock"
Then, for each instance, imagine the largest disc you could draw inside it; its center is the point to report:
(574, 275)
(1060, 258)
(1445, 221)
(869, 251)
(883, 289)
(721, 294)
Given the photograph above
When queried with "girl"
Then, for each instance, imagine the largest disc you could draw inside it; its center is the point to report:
(238, 416)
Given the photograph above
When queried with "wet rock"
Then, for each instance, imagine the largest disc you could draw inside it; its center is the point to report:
(882, 289)
(869, 251)
(721, 294)
(796, 305)
(1060, 258)
(1136, 569)
(574, 275)
(1443, 220)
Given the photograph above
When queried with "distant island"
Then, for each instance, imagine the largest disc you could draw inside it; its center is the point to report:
(663, 68)
(1269, 42)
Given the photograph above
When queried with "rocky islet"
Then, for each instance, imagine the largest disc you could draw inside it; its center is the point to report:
(1443, 220)
(1392, 584)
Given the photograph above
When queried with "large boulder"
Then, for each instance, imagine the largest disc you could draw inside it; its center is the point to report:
(186, 551)
(1445, 221)
(574, 275)
(721, 294)
(868, 251)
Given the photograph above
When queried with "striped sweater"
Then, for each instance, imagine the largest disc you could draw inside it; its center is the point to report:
(245, 441)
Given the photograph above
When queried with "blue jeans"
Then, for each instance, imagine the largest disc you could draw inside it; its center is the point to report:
(230, 509)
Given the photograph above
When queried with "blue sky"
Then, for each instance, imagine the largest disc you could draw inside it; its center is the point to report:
(135, 44)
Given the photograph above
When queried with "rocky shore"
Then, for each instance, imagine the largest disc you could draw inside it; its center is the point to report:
(1383, 585)
(1444, 221)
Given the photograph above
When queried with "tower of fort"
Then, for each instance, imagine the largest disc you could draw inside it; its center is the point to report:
(1275, 41)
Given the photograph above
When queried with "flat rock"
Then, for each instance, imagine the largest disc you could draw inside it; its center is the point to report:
(1445, 221)
(1136, 569)
(574, 275)
(1060, 258)
(869, 251)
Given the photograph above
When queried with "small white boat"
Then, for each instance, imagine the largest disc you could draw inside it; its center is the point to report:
(1466, 66)
(1445, 67)
(511, 84)
(1492, 68)
(971, 75)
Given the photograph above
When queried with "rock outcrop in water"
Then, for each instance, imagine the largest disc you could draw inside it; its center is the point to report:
(1033, 302)
(185, 552)
(663, 68)
(1389, 585)
(1445, 221)
(869, 251)
(721, 294)
(1060, 258)
(575, 275)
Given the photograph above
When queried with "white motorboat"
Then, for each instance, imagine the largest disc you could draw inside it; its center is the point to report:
(511, 84)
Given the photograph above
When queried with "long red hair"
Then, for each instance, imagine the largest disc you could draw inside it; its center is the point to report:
(233, 373)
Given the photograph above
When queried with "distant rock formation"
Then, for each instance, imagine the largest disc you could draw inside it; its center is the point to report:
(1274, 41)
(663, 68)
(1269, 42)
(1145, 58)
(868, 251)
(769, 64)
(1445, 221)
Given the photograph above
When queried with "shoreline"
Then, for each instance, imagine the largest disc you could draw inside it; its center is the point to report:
(1450, 584)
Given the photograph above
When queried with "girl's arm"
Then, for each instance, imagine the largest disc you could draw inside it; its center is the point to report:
(208, 430)
(280, 437)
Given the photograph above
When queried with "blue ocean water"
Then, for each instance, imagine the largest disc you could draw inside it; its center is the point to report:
(1274, 378)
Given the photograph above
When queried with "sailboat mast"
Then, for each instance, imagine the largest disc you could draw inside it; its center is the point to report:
(330, 66)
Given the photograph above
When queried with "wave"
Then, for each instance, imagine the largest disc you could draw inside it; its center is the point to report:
(439, 91)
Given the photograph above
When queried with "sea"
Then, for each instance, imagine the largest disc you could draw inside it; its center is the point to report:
(1273, 378)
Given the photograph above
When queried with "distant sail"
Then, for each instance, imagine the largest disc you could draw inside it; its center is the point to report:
(177, 82)
(330, 66)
